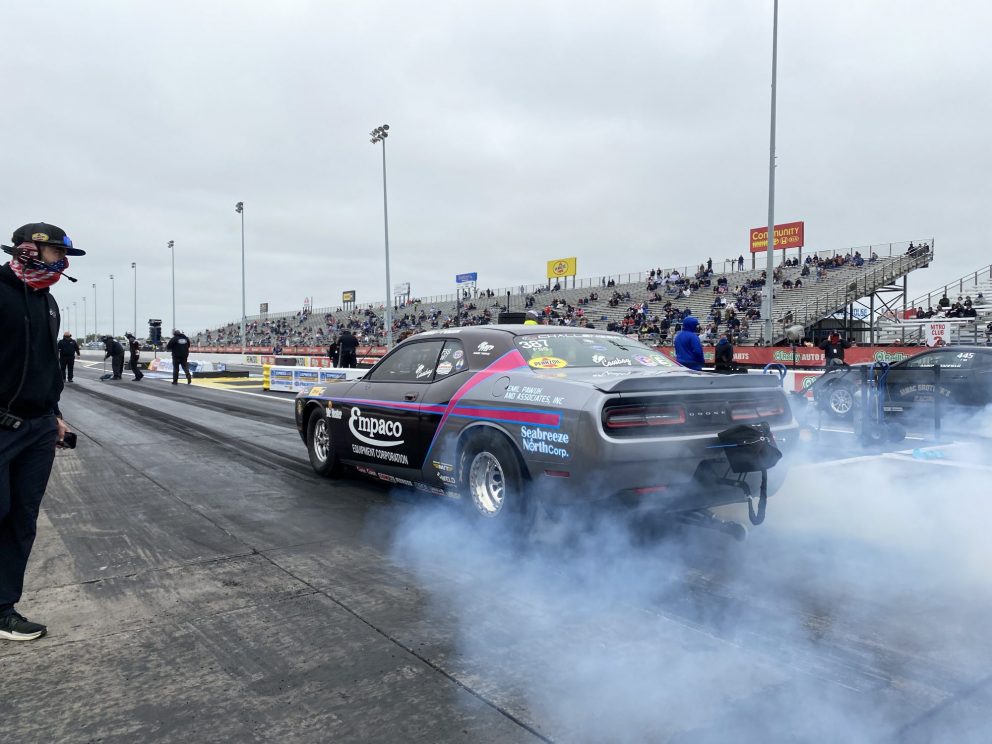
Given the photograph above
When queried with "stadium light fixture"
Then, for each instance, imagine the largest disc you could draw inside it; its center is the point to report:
(172, 247)
(134, 267)
(240, 209)
(378, 135)
(769, 302)
(113, 308)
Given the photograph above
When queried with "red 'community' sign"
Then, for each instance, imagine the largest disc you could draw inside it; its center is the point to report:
(789, 235)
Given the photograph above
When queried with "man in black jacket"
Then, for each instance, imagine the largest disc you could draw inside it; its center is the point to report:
(68, 351)
(348, 345)
(115, 353)
(134, 349)
(179, 346)
(833, 350)
(31, 425)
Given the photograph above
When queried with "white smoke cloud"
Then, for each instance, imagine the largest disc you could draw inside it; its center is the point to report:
(851, 615)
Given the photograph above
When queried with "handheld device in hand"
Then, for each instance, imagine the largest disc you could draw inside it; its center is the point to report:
(68, 441)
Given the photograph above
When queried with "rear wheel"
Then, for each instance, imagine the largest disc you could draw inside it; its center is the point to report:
(492, 482)
(840, 400)
(320, 447)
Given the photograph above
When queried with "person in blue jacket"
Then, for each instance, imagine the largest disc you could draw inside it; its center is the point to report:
(688, 348)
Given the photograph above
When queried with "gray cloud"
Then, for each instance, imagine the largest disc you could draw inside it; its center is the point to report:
(629, 135)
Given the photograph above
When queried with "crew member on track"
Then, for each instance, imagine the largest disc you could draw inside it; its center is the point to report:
(349, 349)
(68, 351)
(134, 353)
(115, 352)
(833, 350)
(724, 355)
(688, 347)
(179, 346)
(31, 426)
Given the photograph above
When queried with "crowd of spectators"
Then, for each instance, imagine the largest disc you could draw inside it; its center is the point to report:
(733, 309)
(961, 308)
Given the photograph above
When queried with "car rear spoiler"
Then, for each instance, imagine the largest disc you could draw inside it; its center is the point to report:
(687, 382)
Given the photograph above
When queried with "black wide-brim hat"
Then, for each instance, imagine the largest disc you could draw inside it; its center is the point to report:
(45, 234)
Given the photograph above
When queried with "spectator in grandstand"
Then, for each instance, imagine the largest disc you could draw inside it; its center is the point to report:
(944, 301)
(833, 349)
(740, 262)
(688, 348)
(724, 355)
(980, 299)
(349, 346)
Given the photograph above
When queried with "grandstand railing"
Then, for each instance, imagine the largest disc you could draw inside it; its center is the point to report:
(827, 304)
(973, 277)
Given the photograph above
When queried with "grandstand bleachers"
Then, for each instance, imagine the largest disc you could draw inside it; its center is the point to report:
(973, 290)
(837, 287)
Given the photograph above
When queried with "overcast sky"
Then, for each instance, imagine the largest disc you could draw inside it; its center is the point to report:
(628, 134)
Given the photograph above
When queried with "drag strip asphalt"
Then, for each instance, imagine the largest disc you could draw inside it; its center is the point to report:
(201, 583)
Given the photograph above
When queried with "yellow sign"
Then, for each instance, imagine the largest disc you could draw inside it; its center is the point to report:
(544, 362)
(562, 267)
(348, 296)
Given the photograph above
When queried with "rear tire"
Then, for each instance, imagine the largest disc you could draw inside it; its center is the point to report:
(492, 483)
(839, 400)
(320, 447)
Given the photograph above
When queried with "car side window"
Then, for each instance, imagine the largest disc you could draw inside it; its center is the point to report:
(923, 360)
(452, 359)
(413, 361)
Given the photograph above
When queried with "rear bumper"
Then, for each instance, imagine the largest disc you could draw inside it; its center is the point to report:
(668, 475)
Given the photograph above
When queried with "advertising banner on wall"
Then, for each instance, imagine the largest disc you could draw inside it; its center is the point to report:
(561, 267)
(788, 235)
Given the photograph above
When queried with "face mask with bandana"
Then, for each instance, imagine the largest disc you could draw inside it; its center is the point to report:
(36, 274)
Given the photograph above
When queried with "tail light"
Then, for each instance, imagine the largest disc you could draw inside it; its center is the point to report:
(757, 410)
(641, 416)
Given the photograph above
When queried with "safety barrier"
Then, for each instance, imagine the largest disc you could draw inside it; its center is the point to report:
(292, 379)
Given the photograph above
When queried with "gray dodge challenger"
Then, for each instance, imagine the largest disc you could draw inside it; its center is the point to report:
(505, 417)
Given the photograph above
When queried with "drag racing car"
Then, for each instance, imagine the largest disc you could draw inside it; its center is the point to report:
(963, 382)
(507, 416)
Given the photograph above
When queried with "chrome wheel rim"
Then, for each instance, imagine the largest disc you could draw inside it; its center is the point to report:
(321, 440)
(841, 401)
(486, 484)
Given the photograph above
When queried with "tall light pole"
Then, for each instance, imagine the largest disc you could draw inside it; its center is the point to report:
(379, 134)
(134, 266)
(75, 315)
(172, 247)
(770, 261)
(240, 209)
(113, 308)
(96, 323)
(85, 313)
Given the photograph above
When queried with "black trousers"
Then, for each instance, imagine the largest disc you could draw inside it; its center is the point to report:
(26, 456)
(133, 366)
(66, 364)
(176, 364)
(117, 365)
(348, 359)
